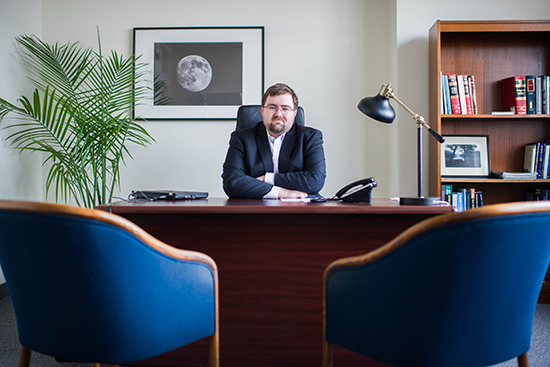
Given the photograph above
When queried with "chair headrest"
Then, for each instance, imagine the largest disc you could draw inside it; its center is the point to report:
(250, 115)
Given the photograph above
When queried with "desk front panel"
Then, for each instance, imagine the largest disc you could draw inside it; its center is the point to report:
(271, 268)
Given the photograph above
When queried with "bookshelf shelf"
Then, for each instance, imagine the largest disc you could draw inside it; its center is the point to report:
(497, 181)
(491, 51)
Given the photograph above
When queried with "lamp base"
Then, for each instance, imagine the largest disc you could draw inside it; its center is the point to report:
(422, 200)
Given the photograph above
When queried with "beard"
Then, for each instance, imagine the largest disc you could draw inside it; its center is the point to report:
(277, 126)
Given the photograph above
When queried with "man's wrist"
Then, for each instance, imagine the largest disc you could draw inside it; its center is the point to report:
(273, 193)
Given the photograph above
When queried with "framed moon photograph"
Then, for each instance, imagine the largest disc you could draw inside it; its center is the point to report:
(465, 156)
(195, 73)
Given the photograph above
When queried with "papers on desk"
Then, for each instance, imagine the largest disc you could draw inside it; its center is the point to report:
(306, 200)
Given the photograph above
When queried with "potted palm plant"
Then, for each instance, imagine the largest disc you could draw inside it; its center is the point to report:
(79, 116)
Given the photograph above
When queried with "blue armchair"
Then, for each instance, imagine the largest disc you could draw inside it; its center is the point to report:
(89, 286)
(454, 290)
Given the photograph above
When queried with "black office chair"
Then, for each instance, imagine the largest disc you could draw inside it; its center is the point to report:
(250, 115)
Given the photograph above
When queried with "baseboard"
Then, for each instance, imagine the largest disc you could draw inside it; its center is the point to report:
(4, 290)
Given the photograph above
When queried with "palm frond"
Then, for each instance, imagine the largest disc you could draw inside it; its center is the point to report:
(79, 115)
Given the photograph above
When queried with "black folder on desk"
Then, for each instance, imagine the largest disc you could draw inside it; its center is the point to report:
(167, 195)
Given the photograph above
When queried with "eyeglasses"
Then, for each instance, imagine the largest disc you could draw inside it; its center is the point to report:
(284, 109)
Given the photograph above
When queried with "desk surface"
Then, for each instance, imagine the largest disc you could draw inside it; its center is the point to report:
(271, 256)
(251, 206)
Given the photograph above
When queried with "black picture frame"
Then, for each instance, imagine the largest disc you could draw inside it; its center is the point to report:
(196, 73)
(465, 156)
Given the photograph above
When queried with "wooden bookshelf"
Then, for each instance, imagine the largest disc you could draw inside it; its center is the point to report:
(491, 51)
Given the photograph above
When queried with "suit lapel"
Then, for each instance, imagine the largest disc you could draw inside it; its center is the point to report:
(286, 149)
(263, 148)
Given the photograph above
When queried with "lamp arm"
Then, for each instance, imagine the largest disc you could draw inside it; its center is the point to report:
(419, 119)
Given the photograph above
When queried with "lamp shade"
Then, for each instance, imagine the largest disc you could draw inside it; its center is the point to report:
(378, 108)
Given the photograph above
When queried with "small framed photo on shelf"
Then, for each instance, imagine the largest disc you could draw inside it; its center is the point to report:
(195, 73)
(465, 156)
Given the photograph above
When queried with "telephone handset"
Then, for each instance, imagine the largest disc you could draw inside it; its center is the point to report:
(357, 192)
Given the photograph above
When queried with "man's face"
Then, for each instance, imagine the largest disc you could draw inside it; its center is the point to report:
(276, 121)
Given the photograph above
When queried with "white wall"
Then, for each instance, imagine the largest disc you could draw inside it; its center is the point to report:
(20, 176)
(323, 49)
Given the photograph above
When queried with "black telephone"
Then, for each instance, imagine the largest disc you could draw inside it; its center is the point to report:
(357, 192)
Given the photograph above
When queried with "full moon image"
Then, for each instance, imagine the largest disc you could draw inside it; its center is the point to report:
(194, 73)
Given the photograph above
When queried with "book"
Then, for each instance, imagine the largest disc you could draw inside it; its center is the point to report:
(479, 199)
(454, 200)
(502, 113)
(537, 151)
(544, 94)
(472, 84)
(529, 157)
(449, 194)
(540, 155)
(467, 96)
(467, 201)
(473, 198)
(545, 161)
(442, 93)
(458, 201)
(448, 107)
(513, 94)
(453, 93)
(461, 94)
(538, 95)
(530, 97)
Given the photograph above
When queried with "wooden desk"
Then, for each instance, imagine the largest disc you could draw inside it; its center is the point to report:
(271, 256)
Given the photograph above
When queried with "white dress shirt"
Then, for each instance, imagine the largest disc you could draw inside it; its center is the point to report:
(275, 146)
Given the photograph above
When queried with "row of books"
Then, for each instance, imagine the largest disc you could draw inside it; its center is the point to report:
(526, 94)
(458, 95)
(462, 199)
(537, 194)
(536, 159)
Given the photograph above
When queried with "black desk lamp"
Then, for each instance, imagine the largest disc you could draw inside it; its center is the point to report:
(379, 108)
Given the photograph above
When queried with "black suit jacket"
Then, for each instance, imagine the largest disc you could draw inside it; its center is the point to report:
(301, 162)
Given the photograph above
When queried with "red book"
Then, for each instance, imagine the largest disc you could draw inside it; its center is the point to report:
(513, 94)
(453, 92)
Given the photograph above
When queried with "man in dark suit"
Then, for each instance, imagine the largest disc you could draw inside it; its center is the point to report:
(276, 158)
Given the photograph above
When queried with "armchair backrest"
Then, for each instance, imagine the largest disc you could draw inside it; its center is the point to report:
(250, 115)
(454, 290)
(89, 286)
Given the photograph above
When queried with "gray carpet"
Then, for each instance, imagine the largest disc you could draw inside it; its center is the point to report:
(539, 355)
